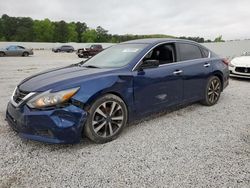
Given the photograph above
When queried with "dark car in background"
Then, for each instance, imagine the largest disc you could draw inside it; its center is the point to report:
(15, 50)
(129, 81)
(64, 48)
(89, 51)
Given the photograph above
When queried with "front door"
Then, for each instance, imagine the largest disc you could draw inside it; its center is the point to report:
(159, 87)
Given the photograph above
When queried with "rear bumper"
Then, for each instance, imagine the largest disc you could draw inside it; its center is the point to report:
(62, 125)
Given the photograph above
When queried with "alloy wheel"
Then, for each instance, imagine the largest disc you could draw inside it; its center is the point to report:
(107, 119)
(214, 91)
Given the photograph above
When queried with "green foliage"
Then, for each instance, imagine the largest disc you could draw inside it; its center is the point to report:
(61, 32)
(26, 29)
(43, 30)
(1, 30)
(102, 35)
(72, 33)
(90, 35)
(219, 39)
(80, 28)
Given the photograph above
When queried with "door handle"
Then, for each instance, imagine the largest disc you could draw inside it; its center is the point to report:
(206, 65)
(177, 72)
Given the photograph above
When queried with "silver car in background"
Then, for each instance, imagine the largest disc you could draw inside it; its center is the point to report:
(15, 50)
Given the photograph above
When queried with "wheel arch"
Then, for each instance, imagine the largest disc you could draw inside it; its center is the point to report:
(101, 94)
(25, 52)
(219, 74)
(3, 52)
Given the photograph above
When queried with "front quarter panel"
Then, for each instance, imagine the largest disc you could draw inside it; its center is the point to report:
(121, 85)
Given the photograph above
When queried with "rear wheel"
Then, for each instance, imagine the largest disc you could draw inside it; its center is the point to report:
(212, 91)
(25, 54)
(107, 117)
(2, 54)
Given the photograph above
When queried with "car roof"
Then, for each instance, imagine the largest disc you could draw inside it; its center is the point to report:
(157, 40)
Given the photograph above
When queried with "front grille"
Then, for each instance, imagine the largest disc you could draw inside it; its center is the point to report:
(19, 95)
(242, 69)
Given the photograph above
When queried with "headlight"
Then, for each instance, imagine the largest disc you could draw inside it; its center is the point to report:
(231, 65)
(47, 98)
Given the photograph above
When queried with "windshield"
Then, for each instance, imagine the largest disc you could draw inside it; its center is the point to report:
(115, 56)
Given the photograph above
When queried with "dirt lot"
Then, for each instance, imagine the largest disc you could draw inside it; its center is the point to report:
(195, 146)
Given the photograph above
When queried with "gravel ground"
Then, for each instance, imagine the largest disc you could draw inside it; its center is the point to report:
(195, 146)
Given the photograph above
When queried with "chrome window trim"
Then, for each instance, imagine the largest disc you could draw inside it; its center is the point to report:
(209, 56)
(147, 54)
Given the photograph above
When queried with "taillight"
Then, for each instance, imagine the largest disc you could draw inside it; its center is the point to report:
(225, 61)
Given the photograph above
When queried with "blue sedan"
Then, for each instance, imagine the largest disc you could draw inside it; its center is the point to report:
(125, 82)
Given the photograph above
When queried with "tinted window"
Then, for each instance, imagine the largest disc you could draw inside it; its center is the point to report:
(20, 47)
(205, 52)
(189, 51)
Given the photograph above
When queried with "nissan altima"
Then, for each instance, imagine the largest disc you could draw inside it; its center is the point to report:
(125, 82)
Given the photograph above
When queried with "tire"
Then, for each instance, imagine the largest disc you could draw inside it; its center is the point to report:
(80, 56)
(212, 91)
(107, 117)
(25, 54)
(2, 54)
(85, 55)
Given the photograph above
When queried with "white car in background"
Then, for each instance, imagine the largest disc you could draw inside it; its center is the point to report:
(240, 66)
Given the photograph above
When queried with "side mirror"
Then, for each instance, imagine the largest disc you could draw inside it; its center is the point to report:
(151, 63)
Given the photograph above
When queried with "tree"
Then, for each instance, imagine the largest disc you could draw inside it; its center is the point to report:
(43, 30)
(219, 39)
(102, 35)
(72, 34)
(89, 36)
(61, 32)
(80, 28)
(9, 27)
(24, 30)
(2, 38)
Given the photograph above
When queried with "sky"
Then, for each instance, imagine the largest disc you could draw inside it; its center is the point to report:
(208, 19)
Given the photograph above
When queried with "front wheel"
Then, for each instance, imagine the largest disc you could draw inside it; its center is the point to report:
(107, 117)
(25, 54)
(212, 91)
(2, 54)
(85, 55)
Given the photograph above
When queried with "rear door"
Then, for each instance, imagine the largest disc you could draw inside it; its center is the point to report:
(195, 67)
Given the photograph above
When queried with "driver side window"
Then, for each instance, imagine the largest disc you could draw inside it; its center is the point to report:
(164, 53)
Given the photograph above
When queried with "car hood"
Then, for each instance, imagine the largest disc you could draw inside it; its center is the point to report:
(243, 61)
(58, 78)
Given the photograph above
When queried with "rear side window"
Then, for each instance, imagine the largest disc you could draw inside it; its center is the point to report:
(205, 52)
(189, 52)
